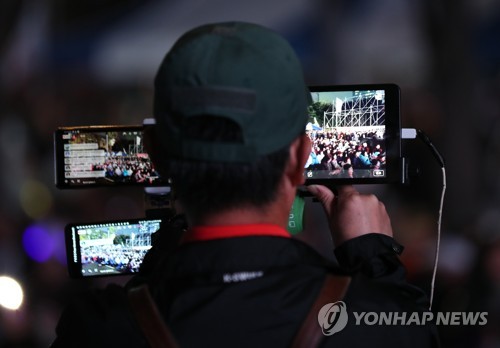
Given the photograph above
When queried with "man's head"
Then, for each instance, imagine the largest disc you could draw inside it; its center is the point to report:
(230, 98)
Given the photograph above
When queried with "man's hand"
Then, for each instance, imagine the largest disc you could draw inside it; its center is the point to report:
(351, 214)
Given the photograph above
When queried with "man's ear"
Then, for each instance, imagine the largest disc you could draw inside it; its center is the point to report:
(300, 150)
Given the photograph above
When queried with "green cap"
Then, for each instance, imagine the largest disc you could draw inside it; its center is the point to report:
(240, 71)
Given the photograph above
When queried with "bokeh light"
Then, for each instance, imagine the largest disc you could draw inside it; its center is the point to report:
(44, 240)
(36, 199)
(38, 243)
(11, 293)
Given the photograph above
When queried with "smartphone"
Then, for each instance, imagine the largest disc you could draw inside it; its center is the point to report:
(109, 247)
(355, 131)
(103, 156)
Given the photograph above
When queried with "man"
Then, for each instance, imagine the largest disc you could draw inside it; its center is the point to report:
(231, 110)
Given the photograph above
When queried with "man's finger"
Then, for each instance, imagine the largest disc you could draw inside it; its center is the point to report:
(324, 195)
(345, 189)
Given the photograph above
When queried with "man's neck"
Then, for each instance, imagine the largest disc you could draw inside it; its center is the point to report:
(275, 212)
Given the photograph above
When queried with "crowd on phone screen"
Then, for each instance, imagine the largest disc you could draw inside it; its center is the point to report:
(335, 151)
(115, 256)
(127, 169)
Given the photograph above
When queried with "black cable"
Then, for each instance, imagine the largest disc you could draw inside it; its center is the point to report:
(422, 136)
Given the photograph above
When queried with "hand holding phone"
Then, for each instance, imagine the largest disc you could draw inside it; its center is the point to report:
(351, 214)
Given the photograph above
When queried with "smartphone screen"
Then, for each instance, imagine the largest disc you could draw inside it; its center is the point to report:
(108, 248)
(355, 134)
(103, 156)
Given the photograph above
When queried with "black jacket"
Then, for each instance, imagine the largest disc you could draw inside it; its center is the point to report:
(254, 292)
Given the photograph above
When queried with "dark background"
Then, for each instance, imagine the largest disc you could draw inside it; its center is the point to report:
(67, 63)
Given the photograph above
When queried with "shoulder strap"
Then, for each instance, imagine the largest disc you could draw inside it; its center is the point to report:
(149, 319)
(159, 336)
(333, 290)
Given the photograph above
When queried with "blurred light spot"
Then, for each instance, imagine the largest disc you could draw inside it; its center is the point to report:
(35, 198)
(44, 240)
(38, 243)
(11, 293)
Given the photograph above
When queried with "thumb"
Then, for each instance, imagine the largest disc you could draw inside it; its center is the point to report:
(324, 195)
